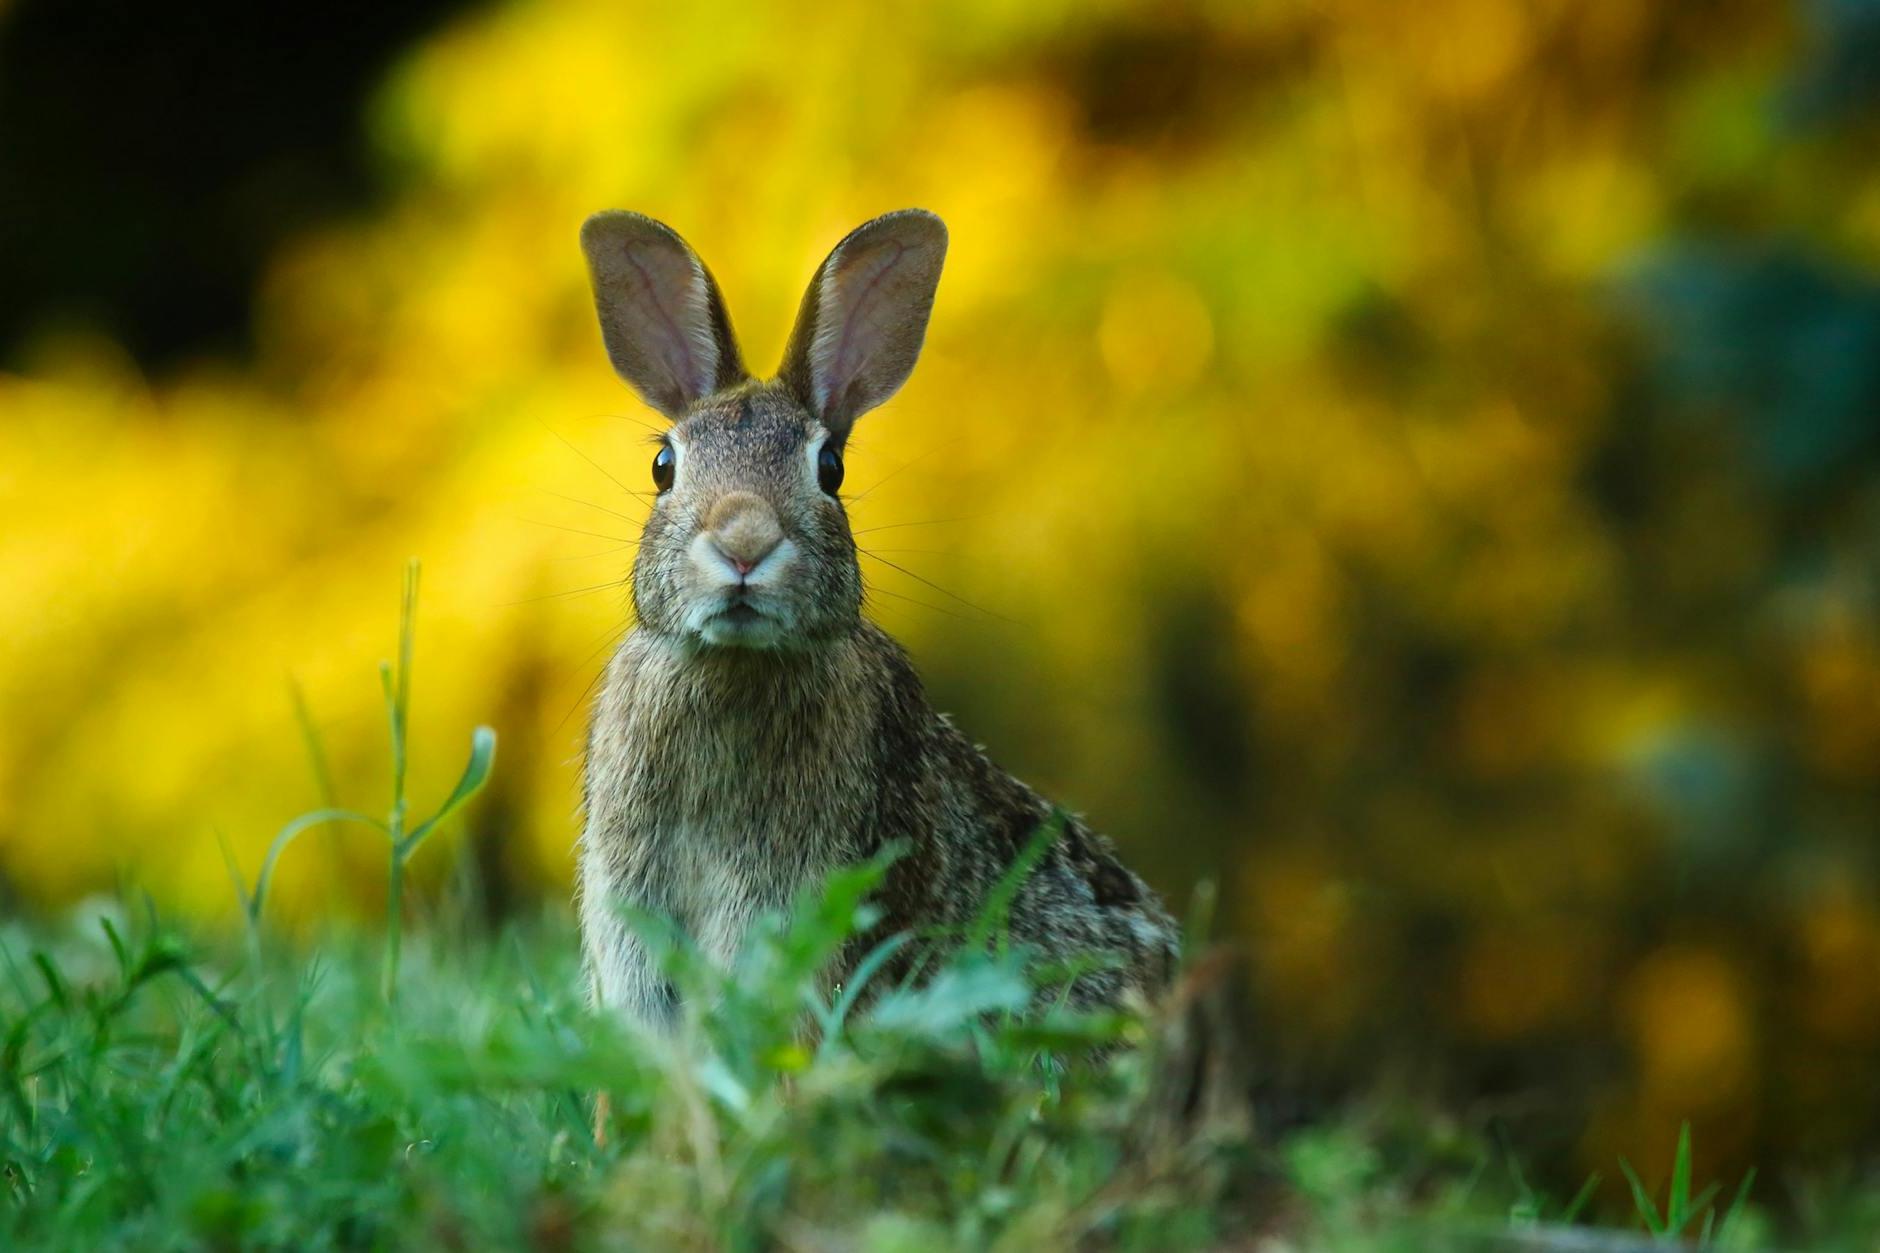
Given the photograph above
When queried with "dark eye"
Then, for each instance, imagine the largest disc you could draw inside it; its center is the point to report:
(829, 469)
(663, 462)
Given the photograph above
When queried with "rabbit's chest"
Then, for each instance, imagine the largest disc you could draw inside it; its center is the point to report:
(714, 889)
(713, 815)
(713, 854)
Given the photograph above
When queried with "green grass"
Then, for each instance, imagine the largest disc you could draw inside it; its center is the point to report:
(163, 1090)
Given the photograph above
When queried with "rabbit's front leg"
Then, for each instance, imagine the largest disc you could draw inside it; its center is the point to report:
(624, 976)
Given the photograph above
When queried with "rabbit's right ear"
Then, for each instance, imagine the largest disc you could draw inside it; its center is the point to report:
(864, 316)
(662, 318)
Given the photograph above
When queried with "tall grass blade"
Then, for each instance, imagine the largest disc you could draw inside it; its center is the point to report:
(1678, 1202)
(286, 836)
(1581, 1198)
(1738, 1203)
(1642, 1200)
(311, 741)
(476, 773)
(998, 907)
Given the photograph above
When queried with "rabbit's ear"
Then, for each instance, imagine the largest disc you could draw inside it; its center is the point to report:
(864, 317)
(662, 318)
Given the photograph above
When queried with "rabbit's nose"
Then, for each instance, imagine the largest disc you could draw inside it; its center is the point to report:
(743, 528)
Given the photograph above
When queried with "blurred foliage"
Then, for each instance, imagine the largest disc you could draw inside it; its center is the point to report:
(164, 1093)
(1416, 465)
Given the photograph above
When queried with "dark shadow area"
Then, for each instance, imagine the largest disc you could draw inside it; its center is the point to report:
(153, 156)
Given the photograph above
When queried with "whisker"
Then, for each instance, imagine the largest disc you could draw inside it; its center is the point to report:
(954, 596)
(609, 639)
(578, 591)
(575, 530)
(576, 500)
(597, 465)
(622, 541)
(895, 526)
(604, 552)
(870, 589)
(906, 465)
(627, 417)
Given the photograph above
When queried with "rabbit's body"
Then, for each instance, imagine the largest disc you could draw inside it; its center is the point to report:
(754, 732)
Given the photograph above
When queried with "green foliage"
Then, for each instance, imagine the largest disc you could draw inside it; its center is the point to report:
(400, 842)
(1682, 1209)
(162, 1092)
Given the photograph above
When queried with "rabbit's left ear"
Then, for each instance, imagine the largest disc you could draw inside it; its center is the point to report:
(662, 318)
(864, 316)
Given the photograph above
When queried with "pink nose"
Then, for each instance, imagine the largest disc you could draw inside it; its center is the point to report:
(744, 530)
(745, 557)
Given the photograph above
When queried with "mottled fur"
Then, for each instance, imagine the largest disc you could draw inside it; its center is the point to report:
(754, 731)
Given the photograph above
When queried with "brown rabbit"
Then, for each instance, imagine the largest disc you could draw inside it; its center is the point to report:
(755, 731)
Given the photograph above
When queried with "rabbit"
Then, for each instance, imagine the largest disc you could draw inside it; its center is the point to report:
(754, 731)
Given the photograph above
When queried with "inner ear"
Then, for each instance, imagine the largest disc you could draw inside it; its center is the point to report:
(863, 319)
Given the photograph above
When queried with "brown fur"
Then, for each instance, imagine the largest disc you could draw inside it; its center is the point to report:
(754, 731)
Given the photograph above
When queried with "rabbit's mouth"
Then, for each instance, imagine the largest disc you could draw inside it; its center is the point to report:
(740, 623)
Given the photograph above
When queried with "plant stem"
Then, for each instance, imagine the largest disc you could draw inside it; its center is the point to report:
(398, 706)
(394, 895)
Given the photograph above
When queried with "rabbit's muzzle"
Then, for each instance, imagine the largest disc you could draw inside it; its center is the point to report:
(740, 560)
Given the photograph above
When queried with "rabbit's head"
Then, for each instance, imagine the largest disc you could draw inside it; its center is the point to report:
(748, 544)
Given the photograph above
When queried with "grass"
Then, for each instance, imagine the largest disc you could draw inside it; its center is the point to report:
(169, 1091)
(1682, 1210)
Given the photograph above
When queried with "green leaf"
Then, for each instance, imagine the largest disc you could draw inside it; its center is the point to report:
(1642, 1200)
(225, 1010)
(55, 984)
(1678, 1203)
(1066, 1031)
(11, 1067)
(234, 872)
(117, 947)
(310, 739)
(476, 773)
(1581, 1198)
(286, 836)
(1699, 1204)
(852, 988)
(956, 997)
(1737, 1205)
(998, 905)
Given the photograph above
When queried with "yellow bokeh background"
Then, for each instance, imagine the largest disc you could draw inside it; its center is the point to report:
(1272, 336)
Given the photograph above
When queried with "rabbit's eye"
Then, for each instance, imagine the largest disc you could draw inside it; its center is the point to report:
(829, 469)
(663, 462)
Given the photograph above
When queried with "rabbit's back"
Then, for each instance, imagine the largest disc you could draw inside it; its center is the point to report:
(974, 821)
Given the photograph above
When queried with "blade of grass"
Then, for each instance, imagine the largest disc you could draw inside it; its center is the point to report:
(1641, 1199)
(397, 686)
(1581, 1198)
(1677, 1202)
(999, 900)
(476, 772)
(1737, 1205)
(285, 836)
(310, 739)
